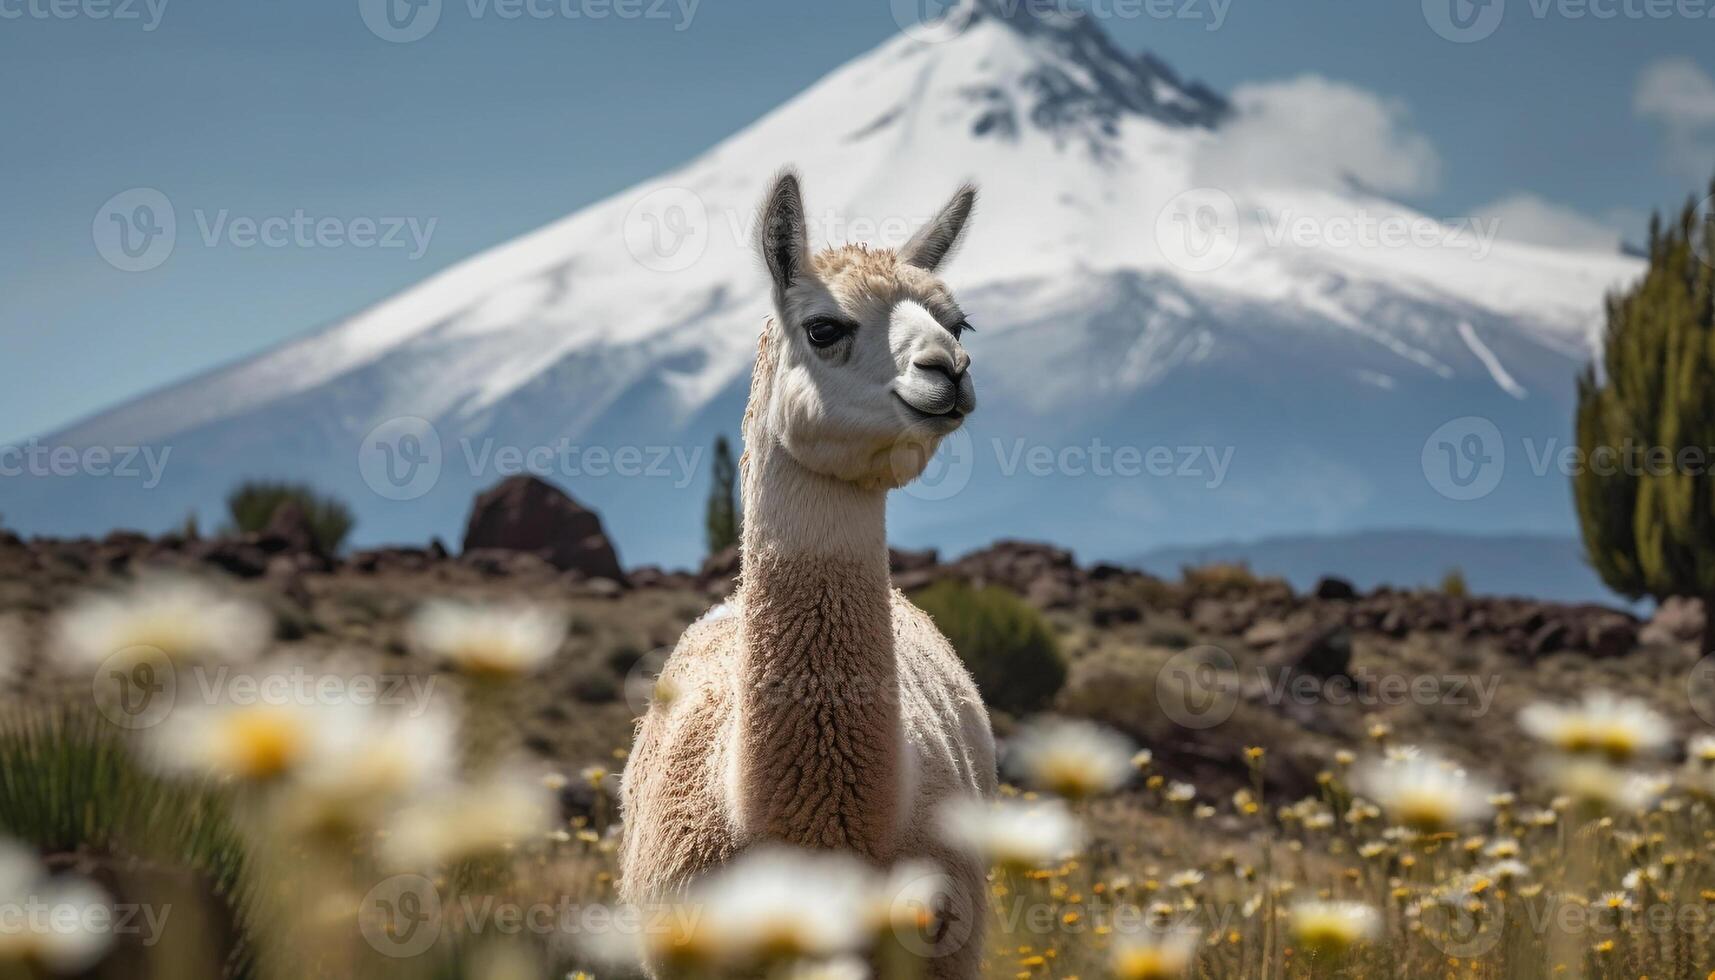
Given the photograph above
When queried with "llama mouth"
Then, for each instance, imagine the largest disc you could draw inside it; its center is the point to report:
(949, 420)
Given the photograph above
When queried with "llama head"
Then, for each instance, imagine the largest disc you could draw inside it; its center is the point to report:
(862, 372)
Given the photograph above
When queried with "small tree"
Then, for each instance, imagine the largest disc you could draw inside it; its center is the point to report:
(252, 505)
(724, 520)
(1646, 490)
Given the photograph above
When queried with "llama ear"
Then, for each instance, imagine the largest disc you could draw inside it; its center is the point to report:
(781, 236)
(936, 240)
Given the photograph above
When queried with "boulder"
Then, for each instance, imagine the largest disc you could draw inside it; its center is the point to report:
(529, 515)
(907, 560)
(1324, 651)
(1679, 619)
(1613, 637)
(1332, 587)
(1551, 638)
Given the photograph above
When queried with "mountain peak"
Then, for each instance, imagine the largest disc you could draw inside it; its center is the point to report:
(1082, 79)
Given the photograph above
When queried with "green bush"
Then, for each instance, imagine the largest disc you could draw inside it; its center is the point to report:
(1453, 584)
(1005, 642)
(252, 505)
(69, 784)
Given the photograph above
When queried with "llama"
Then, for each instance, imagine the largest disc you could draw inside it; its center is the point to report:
(823, 709)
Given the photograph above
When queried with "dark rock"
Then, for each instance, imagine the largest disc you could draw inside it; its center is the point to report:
(1551, 638)
(232, 555)
(1324, 651)
(915, 579)
(1612, 638)
(1331, 587)
(1393, 623)
(1105, 616)
(501, 563)
(1050, 592)
(527, 515)
(722, 564)
(289, 532)
(906, 560)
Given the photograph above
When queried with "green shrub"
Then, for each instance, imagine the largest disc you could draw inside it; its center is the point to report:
(1219, 578)
(1453, 584)
(1005, 642)
(252, 505)
(70, 784)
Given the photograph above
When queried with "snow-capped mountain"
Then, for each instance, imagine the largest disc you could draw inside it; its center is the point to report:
(1173, 345)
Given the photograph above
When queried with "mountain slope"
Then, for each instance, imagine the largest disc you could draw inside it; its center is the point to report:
(1315, 368)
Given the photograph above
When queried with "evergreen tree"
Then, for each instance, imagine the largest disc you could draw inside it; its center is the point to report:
(1646, 425)
(723, 521)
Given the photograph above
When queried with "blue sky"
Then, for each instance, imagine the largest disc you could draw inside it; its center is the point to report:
(490, 125)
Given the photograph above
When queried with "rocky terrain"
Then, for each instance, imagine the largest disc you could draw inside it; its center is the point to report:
(1303, 674)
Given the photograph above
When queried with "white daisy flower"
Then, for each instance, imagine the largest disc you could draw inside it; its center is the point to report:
(1185, 879)
(1508, 870)
(60, 924)
(469, 821)
(1425, 793)
(1618, 729)
(778, 904)
(259, 741)
(1595, 783)
(1154, 954)
(362, 768)
(493, 642)
(183, 621)
(1073, 759)
(1333, 928)
(1012, 834)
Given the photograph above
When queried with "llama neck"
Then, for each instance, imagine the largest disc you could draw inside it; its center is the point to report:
(820, 741)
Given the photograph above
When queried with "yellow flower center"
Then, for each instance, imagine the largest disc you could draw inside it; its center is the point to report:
(263, 744)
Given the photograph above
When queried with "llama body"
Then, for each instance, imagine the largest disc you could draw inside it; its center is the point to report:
(822, 709)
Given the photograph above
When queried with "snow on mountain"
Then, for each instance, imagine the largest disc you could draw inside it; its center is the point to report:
(1131, 284)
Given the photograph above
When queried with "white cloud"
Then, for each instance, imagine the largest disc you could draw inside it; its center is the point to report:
(1676, 92)
(1528, 218)
(1680, 96)
(1313, 131)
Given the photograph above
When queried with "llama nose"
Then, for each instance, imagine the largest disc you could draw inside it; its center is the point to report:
(952, 371)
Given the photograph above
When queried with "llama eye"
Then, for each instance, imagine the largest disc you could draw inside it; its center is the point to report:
(824, 331)
(959, 329)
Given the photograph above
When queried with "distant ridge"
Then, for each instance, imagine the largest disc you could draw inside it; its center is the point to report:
(1538, 566)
